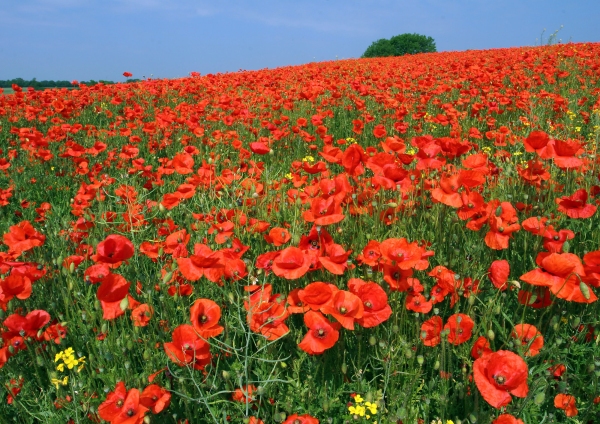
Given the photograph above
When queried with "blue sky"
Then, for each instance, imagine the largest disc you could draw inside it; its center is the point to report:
(101, 39)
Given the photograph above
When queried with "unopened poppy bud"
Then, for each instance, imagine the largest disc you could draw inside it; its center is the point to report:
(283, 364)
(167, 277)
(436, 366)
(566, 246)
(372, 340)
(344, 368)
(124, 303)
(395, 329)
(325, 405)
(585, 290)
(72, 267)
(408, 353)
(161, 208)
(539, 398)
(39, 360)
(576, 322)
(491, 334)
(147, 419)
(226, 375)
(591, 368)
(471, 300)
(499, 211)
(230, 297)
(473, 418)
(147, 355)
(497, 310)
(420, 359)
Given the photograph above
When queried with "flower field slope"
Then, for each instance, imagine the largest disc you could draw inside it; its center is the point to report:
(395, 240)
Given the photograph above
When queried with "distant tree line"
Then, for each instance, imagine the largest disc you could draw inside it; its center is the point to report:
(40, 85)
(401, 45)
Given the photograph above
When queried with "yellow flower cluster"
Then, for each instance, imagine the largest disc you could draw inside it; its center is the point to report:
(58, 381)
(68, 359)
(308, 159)
(363, 410)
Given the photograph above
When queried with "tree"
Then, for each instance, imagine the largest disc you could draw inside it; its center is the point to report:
(401, 45)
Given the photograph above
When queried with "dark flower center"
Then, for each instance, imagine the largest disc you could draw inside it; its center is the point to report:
(321, 332)
(368, 304)
(499, 379)
(203, 318)
(343, 310)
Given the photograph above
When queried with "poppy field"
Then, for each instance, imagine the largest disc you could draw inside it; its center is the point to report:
(396, 240)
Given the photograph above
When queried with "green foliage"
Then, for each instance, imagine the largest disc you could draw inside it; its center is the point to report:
(401, 45)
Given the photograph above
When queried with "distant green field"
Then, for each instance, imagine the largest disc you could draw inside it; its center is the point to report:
(8, 91)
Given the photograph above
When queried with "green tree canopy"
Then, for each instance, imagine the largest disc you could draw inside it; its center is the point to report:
(401, 45)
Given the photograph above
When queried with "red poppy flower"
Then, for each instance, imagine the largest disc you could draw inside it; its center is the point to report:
(566, 402)
(127, 74)
(431, 331)
(480, 347)
(268, 318)
(335, 259)
(416, 302)
(576, 206)
(25, 326)
(122, 407)
(21, 238)
(259, 148)
(461, 327)
(375, 302)
(507, 419)
(204, 316)
(317, 294)
(188, 348)
(536, 141)
(245, 394)
(322, 334)
(404, 255)
(562, 273)
(500, 374)
(15, 285)
(447, 193)
(155, 398)
(345, 307)
(503, 222)
(278, 236)
(295, 304)
(183, 163)
(530, 337)
(204, 262)
(301, 419)
(370, 254)
(539, 298)
(498, 273)
(113, 249)
(141, 315)
(324, 211)
(291, 263)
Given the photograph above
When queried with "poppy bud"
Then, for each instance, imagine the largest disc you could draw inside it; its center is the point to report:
(372, 340)
(395, 329)
(325, 405)
(566, 246)
(147, 419)
(420, 359)
(167, 277)
(11, 349)
(497, 310)
(161, 208)
(471, 300)
(436, 366)
(147, 355)
(283, 364)
(591, 368)
(124, 303)
(344, 368)
(408, 353)
(39, 360)
(585, 290)
(473, 418)
(539, 398)
(491, 334)
(499, 211)
(72, 267)
(576, 322)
